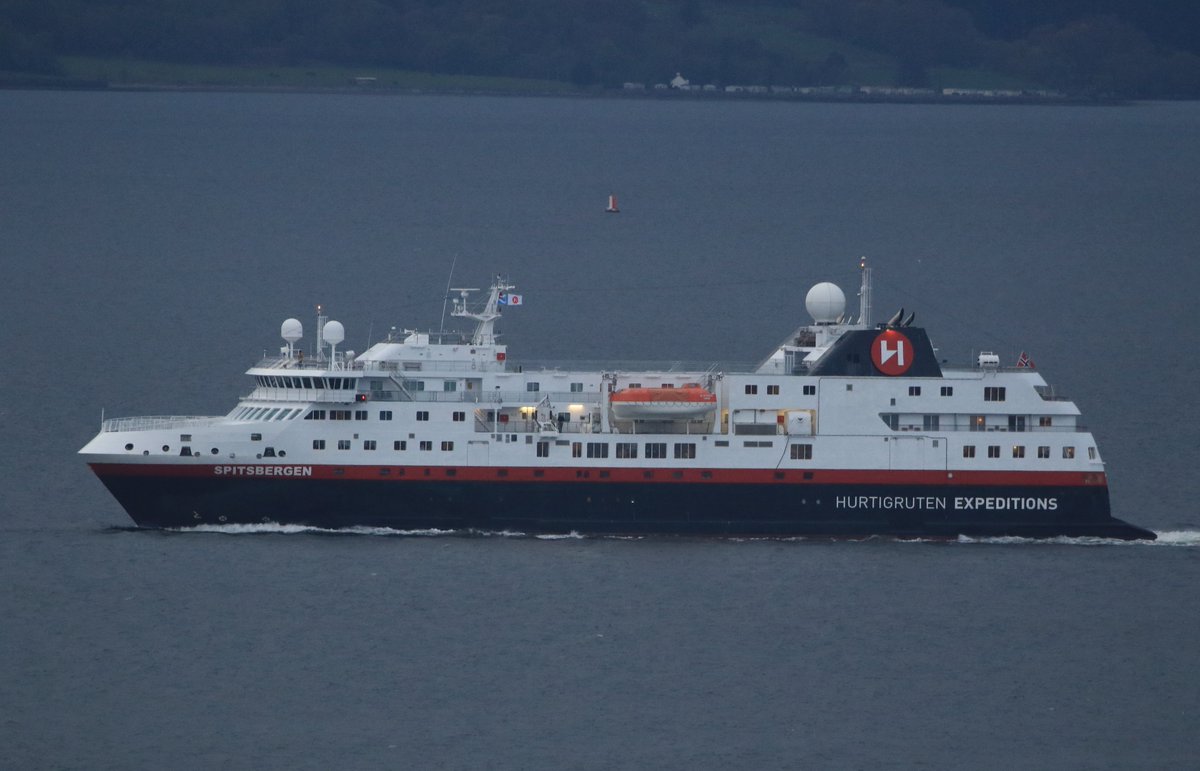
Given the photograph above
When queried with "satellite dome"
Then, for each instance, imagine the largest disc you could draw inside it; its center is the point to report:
(334, 332)
(825, 303)
(291, 330)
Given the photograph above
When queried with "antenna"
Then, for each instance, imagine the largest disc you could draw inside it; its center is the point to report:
(446, 298)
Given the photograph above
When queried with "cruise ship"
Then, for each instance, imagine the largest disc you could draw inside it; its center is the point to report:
(846, 429)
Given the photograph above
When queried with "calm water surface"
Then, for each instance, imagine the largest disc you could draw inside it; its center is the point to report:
(150, 244)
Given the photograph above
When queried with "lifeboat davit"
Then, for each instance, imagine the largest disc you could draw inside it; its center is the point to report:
(688, 402)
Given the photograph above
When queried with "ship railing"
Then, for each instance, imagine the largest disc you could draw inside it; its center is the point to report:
(159, 422)
(560, 399)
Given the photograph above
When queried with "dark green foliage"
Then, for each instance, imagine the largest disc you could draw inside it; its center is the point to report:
(1119, 47)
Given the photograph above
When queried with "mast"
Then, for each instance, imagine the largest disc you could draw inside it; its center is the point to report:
(864, 294)
(484, 334)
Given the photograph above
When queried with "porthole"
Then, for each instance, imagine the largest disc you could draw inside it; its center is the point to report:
(214, 451)
(283, 453)
(166, 448)
(129, 446)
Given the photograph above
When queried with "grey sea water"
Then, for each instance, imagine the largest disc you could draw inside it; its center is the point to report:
(150, 244)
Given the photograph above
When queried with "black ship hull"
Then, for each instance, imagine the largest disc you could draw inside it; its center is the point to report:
(712, 503)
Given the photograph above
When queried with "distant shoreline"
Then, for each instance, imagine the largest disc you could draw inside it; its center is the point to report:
(843, 95)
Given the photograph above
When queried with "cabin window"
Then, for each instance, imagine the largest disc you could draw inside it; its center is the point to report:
(722, 443)
(597, 449)
(892, 420)
(751, 389)
(185, 437)
(343, 444)
(1069, 453)
(914, 390)
(978, 423)
(399, 444)
(417, 385)
(947, 390)
(1018, 451)
(533, 386)
(385, 414)
(318, 444)
(1045, 421)
(772, 390)
(360, 414)
(993, 393)
(626, 449)
(576, 388)
(635, 385)
(459, 417)
(450, 385)
(447, 446)
(426, 446)
(849, 386)
(422, 415)
(1044, 451)
(801, 452)
(368, 444)
(315, 415)
(256, 437)
(810, 390)
(931, 422)
(685, 450)
(1091, 453)
(968, 451)
(576, 449)
(656, 449)
(993, 451)
(543, 449)
(1016, 422)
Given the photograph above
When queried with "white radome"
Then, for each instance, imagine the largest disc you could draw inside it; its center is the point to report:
(825, 303)
(333, 332)
(291, 330)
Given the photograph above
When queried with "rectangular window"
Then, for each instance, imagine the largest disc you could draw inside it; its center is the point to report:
(1018, 451)
(1045, 421)
(656, 449)
(931, 422)
(1069, 453)
(426, 446)
(543, 449)
(993, 451)
(772, 390)
(422, 415)
(947, 390)
(399, 444)
(343, 444)
(318, 444)
(597, 449)
(626, 449)
(810, 390)
(751, 389)
(1016, 422)
(339, 414)
(1044, 451)
(447, 446)
(914, 390)
(459, 417)
(368, 444)
(801, 452)
(978, 423)
(360, 414)
(315, 415)
(450, 385)
(993, 393)
(533, 386)
(685, 450)
(576, 449)
(385, 414)
(1091, 453)
(256, 437)
(968, 451)
(576, 388)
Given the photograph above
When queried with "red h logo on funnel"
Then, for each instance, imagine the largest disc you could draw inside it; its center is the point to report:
(892, 353)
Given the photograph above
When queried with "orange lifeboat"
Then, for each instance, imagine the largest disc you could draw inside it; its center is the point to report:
(688, 402)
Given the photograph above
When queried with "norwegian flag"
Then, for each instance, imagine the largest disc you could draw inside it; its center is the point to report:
(1024, 361)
